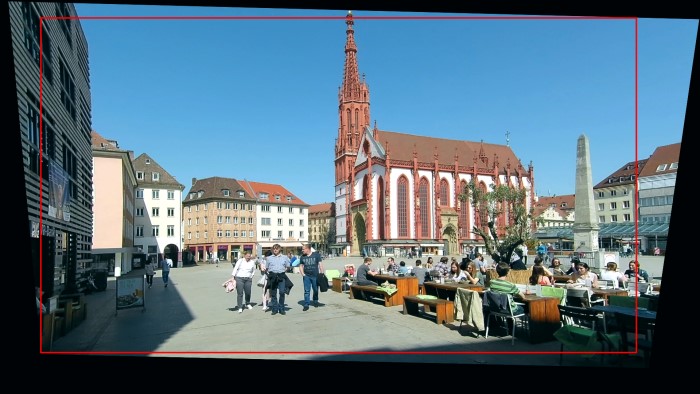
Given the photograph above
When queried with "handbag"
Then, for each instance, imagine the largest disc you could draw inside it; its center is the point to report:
(322, 281)
(230, 285)
(261, 281)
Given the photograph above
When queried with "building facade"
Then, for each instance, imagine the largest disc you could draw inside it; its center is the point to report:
(398, 193)
(114, 184)
(158, 211)
(555, 211)
(657, 183)
(52, 78)
(219, 220)
(282, 217)
(322, 226)
(614, 196)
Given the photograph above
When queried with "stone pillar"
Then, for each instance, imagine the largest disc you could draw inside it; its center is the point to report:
(586, 224)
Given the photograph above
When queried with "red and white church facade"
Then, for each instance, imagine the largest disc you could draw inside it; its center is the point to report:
(397, 192)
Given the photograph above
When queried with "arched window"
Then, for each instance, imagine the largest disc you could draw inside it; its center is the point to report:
(482, 214)
(424, 201)
(402, 206)
(444, 193)
(357, 120)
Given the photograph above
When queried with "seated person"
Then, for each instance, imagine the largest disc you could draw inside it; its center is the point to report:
(539, 262)
(474, 275)
(465, 263)
(574, 266)
(539, 276)
(349, 270)
(429, 263)
(420, 272)
(481, 263)
(555, 268)
(516, 260)
(584, 275)
(456, 274)
(501, 285)
(391, 265)
(612, 274)
(635, 270)
(442, 266)
(363, 272)
(403, 270)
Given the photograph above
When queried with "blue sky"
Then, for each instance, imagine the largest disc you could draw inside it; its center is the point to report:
(258, 99)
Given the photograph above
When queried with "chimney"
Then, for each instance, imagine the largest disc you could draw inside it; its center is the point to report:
(194, 180)
(131, 155)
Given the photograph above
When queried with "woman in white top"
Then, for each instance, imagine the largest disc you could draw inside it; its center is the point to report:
(584, 275)
(456, 274)
(612, 274)
(243, 273)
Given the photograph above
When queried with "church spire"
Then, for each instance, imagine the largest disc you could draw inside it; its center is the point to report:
(351, 74)
(353, 102)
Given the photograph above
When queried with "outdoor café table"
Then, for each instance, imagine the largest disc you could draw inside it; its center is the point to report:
(405, 286)
(561, 278)
(543, 313)
(604, 293)
(447, 291)
(611, 309)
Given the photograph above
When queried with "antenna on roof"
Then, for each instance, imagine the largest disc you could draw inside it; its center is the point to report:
(507, 138)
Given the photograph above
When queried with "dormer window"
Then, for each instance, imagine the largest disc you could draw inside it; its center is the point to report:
(289, 198)
(277, 197)
(610, 180)
(241, 194)
(148, 161)
(563, 205)
(661, 167)
(226, 192)
(264, 196)
(156, 177)
(191, 196)
(139, 175)
(200, 193)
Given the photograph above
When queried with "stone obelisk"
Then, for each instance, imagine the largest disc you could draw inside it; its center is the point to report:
(585, 225)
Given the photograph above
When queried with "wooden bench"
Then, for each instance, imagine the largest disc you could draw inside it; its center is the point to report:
(444, 309)
(356, 291)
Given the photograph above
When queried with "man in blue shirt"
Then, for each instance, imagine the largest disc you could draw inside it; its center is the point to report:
(277, 265)
(310, 266)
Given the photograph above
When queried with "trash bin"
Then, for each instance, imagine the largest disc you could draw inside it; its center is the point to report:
(100, 280)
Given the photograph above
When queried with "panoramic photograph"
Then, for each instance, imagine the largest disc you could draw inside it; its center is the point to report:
(348, 185)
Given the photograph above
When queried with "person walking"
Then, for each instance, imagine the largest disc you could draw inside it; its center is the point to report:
(277, 265)
(265, 286)
(166, 264)
(309, 267)
(150, 271)
(243, 275)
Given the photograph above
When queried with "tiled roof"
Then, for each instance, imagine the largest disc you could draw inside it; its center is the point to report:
(100, 142)
(213, 188)
(623, 176)
(259, 189)
(667, 155)
(148, 166)
(321, 208)
(400, 146)
(562, 204)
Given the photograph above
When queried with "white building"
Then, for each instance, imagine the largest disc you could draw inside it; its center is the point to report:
(158, 210)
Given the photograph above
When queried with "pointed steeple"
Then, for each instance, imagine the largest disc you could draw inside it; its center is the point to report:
(353, 107)
(351, 74)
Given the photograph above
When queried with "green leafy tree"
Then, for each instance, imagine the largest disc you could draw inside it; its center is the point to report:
(489, 205)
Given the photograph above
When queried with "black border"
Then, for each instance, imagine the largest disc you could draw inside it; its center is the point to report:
(674, 335)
